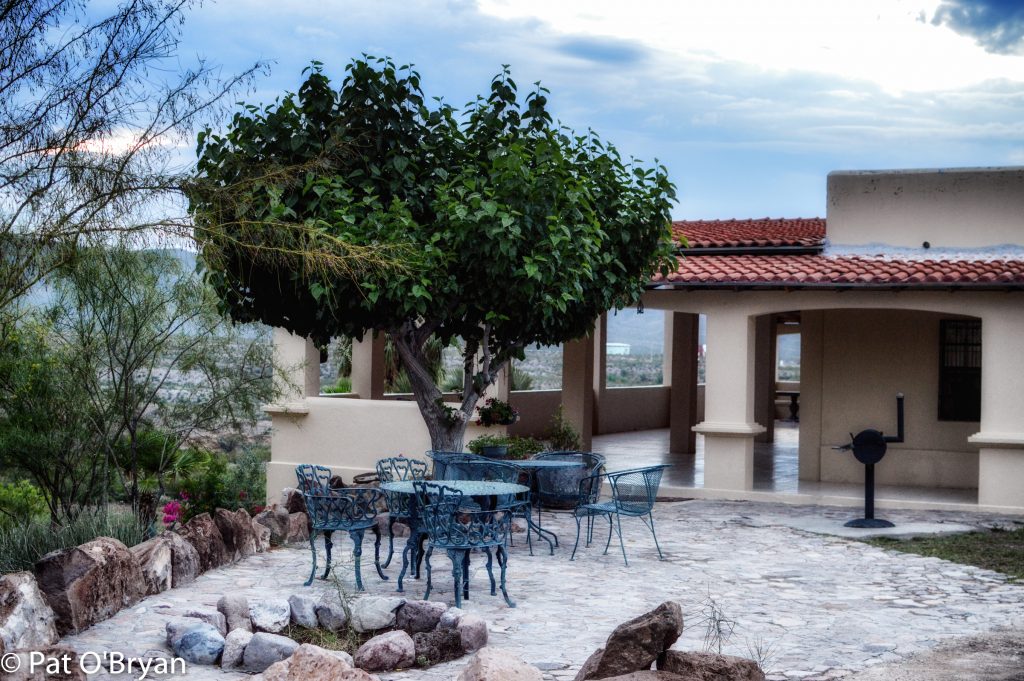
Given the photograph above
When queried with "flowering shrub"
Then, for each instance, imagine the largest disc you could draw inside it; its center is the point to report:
(496, 412)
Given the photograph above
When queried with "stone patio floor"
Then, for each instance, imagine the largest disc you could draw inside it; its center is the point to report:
(822, 607)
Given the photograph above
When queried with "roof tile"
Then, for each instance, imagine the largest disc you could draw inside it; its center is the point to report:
(764, 232)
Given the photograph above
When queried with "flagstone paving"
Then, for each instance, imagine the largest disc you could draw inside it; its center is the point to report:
(816, 606)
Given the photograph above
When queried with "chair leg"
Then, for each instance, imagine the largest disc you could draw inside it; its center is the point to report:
(465, 575)
(618, 520)
(490, 572)
(655, 535)
(577, 544)
(408, 556)
(609, 542)
(328, 545)
(426, 596)
(419, 554)
(357, 554)
(503, 562)
(456, 559)
(391, 540)
(312, 548)
(376, 553)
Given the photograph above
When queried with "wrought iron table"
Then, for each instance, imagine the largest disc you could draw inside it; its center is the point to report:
(531, 466)
(482, 489)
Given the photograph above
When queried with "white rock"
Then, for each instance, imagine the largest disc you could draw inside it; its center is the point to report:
(234, 648)
(303, 610)
(370, 613)
(26, 619)
(492, 664)
(269, 614)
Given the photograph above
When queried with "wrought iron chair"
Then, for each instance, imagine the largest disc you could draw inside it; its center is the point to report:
(559, 488)
(440, 460)
(351, 509)
(393, 470)
(473, 467)
(632, 492)
(457, 531)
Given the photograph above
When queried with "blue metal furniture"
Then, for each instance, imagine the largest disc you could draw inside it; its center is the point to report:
(391, 470)
(633, 493)
(350, 509)
(441, 460)
(457, 531)
(558, 487)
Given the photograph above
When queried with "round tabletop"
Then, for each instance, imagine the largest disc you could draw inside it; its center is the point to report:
(467, 487)
(547, 463)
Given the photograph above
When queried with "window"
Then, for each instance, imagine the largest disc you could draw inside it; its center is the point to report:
(960, 370)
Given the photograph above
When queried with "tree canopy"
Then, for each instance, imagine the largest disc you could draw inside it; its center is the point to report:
(514, 229)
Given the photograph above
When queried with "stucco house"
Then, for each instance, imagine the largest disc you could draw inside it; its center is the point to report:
(912, 283)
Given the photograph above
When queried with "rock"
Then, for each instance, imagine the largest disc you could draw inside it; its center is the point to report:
(344, 657)
(236, 612)
(212, 617)
(417, 616)
(262, 534)
(303, 610)
(519, 525)
(383, 653)
(472, 631)
(269, 614)
(196, 643)
(54, 657)
(292, 501)
(202, 533)
(312, 663)
(185, 563)
(450, 618)
(155, 560)
(710, 667)
(298, 528)
(438, 646)
(26, 619)
(650, 675)
(337, 482)
(90, 583)
(331, 616)
(493, 664)
(635, 645)
(370, 613)
(234, 648)
(277, 521)
(237, 533)
(265, 649)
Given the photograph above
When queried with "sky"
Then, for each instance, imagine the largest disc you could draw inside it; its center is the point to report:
(748, 103)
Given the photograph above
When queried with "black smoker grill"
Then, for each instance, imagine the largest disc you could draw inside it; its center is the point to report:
(869, 447)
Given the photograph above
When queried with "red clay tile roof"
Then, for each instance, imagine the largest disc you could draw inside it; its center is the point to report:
(808, 232)
(796, 271)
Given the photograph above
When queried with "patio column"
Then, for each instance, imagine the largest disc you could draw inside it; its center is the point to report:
(1001, 456)
(680, 372)
(368, 366)
(578, 386)
(600, 368)
(812, 369)
(297, 367)
(728, 425)
(764, 381)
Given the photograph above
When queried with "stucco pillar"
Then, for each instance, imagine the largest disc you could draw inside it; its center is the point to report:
(578, 386)
(1001, 440)
(728, 425)
(812, 354)
(600, 339)
(764, 373)
(296, 367)
(680, 372)
(368, 366)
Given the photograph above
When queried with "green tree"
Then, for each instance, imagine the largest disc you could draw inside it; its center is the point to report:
(522, 231)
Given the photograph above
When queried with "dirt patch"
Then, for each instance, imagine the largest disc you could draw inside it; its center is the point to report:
(998, 656)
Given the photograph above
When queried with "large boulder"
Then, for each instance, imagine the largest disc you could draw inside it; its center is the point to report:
(236, 530)
(235, 609)
(156, 562)
(312, 663)
(331, 616)
(26, 619)
(370, 613)
(269, 614)
(195, 641)
(202, 533)
(635, 645)
(298, 528)
(440, 645)
(277, 521)
(385, 652)
(265, 649)
(262, 534)
(292, 500)
(417, 616)
(710, 667)
(64, 662)
(303, 610)
(185, 563)
(492, 664)
(650, 675)
(90, 583)
(234, 648)
(473, 631)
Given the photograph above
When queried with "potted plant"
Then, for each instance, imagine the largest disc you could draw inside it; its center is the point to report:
(496, 412)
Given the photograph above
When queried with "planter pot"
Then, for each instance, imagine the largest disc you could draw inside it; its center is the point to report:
(495, 451)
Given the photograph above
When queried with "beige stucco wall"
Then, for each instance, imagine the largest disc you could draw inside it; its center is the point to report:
(869, 356)
(948, 208)
(619, 410)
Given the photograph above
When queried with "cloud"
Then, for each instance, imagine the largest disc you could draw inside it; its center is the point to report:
(610, 51)
(996, 25)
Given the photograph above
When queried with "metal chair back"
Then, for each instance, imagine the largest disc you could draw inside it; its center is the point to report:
(441, 460)
(350, 508)
(635, 490)
(560, 488)
(397, 469)
(313, 479)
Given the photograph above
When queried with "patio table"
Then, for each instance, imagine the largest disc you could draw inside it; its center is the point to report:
(531, 466)
(483, 489)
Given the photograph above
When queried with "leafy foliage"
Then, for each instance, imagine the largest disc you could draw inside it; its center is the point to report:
(563, 436)
(520, 231)
(223, 484)
(20, 502)
(518, 447)
(22, 545)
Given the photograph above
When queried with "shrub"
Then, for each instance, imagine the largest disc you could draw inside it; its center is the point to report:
(223, 484)
(22, 545)
(563, 436)
(20, 502)
(518, 447)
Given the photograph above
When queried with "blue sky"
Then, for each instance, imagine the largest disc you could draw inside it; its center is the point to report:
(749, 103)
